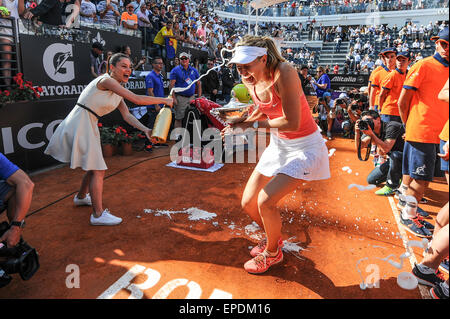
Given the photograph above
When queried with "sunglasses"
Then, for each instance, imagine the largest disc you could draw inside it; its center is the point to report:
(184, 58)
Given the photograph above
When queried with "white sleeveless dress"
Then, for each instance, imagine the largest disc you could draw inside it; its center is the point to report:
(77, 139)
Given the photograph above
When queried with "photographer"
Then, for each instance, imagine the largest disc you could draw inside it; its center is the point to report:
(322, 109)
(388, 137)
(336, 111)
(16, 191)
(342, 115)
(359, 103)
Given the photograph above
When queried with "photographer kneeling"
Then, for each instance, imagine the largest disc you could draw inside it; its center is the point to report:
(16, 191)
(388, 138)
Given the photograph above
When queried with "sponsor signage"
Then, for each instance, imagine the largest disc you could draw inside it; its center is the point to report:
(62, 67)
(348, 80)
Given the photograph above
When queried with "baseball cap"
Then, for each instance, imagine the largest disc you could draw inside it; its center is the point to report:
(326, 94)
(184, 55)
(388, 50)
(442, 35)
(246, 54)
(343, 96)
(405, 54)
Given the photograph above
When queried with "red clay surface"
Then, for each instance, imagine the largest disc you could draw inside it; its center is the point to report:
(336, 227)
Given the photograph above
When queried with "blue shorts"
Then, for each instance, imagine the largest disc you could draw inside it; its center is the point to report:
(5, 188)
(390, 118)
(444, 163)
(419, 160)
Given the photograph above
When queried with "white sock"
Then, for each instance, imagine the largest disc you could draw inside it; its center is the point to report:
(403, 188)
(408, 212)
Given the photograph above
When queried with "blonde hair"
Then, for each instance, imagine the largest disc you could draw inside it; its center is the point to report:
(273, 55)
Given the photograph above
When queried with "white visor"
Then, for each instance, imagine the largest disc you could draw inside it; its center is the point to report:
(246, 54)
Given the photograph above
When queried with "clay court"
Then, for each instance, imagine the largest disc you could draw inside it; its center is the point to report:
(183, 235)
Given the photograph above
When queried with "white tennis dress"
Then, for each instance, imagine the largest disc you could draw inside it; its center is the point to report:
(77, 139)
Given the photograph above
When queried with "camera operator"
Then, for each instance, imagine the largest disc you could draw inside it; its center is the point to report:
(322, 109)
(16, 191)
(359, 103)
(342, 105)
(388, 137)
(336, 112)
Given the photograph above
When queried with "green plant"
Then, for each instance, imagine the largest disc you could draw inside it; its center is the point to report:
(124, 137)
(117, 134)
(21, 90)
(108, 135)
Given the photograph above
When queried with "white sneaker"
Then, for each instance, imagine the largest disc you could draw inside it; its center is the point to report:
(106, 219)
(86, 201)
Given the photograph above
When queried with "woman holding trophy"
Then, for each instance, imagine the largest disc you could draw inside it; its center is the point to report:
(296, 150)
(77, 138)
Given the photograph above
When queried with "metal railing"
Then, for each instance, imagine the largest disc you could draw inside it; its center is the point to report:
(328, 7)
(9, 52)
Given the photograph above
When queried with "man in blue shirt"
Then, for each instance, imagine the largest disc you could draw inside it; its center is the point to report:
(323, 83)
(16, 191)
(182, 76)
(154, 85)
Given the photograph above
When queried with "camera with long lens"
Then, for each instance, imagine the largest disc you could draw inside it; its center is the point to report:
(364, 124)
(22, 259)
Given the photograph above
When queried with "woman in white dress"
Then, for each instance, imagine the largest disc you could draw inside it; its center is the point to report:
(77, 138)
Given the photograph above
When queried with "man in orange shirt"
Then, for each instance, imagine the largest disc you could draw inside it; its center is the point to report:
(425, 116)
(378, 68)
(391, 87)
(390, 56)
(129, 20)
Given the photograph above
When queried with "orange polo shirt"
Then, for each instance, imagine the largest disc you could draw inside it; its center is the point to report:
(378, 68)
(394, 83)
(427, 114)
(376, 83)
(444, 134)
(129, 18)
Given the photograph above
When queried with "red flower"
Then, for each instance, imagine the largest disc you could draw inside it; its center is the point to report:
(19, 75)
(6, 92)
(117, 130)
(100, 125)
(148, 147)
(39, 89)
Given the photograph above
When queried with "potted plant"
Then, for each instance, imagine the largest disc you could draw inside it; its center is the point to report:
(21, 90)
(126, 140)
(109, 140)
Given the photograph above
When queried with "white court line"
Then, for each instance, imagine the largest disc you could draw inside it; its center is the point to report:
(424, 290)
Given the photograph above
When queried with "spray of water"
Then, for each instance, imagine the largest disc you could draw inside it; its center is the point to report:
(224, 61)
